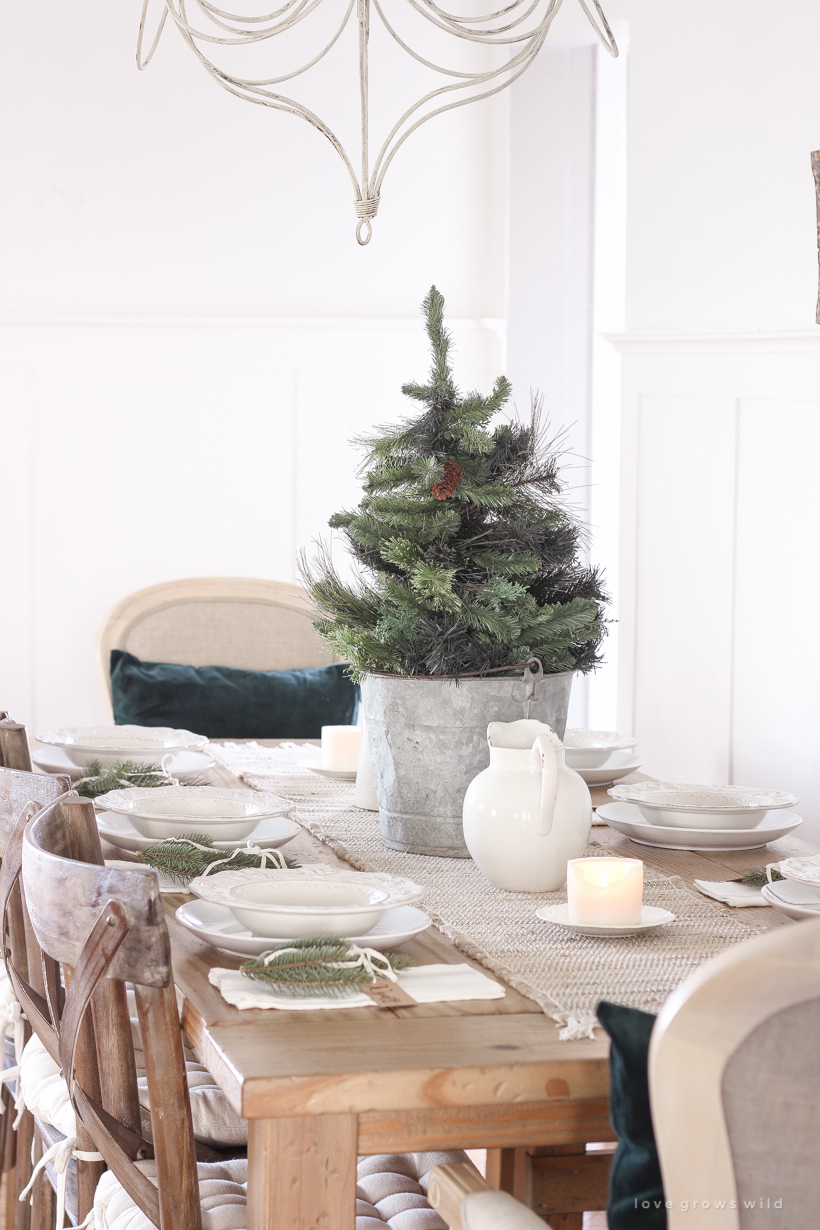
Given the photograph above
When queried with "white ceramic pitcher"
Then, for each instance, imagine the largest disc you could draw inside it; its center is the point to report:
(527, 814)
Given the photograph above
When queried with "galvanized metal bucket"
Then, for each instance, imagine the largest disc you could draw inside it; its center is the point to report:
(428, 740)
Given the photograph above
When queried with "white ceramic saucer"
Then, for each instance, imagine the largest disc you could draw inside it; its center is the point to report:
(627, 819)
(343, 775)
(217, 925)
(651, 917)
(187, 765)
(618, 765)
(793, 899)
(271, 832)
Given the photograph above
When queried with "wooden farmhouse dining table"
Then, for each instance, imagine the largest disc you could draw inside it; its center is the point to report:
(320, 1088)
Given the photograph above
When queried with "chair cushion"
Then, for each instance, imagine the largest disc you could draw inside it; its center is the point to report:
(223, 702)
(636, 1199)
(45, 1093)
(223, 1197)
(392, 1190)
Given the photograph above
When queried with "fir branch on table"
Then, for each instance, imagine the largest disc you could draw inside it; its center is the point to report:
(120, 775)
(318, 966)
(469, 556)
(184, 858)
(758, 877)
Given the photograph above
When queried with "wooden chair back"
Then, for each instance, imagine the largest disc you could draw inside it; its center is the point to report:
(734, 1080)
(244, 622)
(104, 927)
(14, 749)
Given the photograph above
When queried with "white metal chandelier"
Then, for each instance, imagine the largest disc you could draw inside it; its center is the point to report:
(521, 26)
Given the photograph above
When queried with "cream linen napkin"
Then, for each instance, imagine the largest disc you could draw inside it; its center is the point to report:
(731, 892)
(427, 984)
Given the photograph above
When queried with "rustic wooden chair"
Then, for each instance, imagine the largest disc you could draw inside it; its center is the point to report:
(18, 790)
(244, 622)
(103, 927)
(14, 749)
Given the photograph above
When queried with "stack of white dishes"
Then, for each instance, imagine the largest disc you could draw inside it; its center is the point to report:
(798, 896)
(691, 817)
(248, 912)
(138, 817)
(600, 756)
(72, 748)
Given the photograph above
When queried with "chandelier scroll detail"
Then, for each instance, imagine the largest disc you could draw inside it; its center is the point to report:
(519, 28)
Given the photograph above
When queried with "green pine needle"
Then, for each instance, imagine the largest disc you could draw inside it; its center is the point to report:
(182, 861)
(480, 581)
(120, 775)
(758, 878)
(306, 967)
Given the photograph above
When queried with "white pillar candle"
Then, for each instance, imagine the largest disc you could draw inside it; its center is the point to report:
(340, 747)
(605, 892)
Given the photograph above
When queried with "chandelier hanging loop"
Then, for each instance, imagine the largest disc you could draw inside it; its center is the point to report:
(519, 26)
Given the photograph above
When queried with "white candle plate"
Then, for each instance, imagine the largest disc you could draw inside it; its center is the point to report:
(651, 917)
(343, 775)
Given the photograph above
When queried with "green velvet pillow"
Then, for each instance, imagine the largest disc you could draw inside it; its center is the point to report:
(224, 703)
(636, 1199)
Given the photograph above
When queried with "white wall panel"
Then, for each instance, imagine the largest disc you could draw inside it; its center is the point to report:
(134, 452)
(776, 731)
(684, 585)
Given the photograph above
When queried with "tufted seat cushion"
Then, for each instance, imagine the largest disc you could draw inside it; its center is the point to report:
(45, 1093)
(223, 1195)
(392, 1190)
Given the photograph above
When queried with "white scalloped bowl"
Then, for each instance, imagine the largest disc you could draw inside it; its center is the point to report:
(177, 811)
(144, 744)
(589, 749)
(702, 807)
(298, 908)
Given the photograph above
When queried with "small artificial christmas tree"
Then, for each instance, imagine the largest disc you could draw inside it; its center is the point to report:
(473, 557)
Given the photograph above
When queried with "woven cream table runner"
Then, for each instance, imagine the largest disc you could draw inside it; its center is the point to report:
(565, 974)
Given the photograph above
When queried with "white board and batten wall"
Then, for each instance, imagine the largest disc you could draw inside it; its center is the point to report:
(134, 452)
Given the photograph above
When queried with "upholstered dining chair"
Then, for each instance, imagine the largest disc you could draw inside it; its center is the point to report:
(102, 926)
(734, 1081)
(18, 790)
(243, 622)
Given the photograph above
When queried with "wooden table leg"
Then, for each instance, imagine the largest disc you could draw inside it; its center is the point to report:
(302, 1173)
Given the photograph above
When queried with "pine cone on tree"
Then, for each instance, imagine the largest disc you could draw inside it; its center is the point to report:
(449, 483)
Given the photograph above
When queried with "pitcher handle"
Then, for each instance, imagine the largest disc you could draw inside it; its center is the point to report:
(549, 784)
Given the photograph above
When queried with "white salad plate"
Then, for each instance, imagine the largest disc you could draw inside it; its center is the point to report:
(269, 833)
(651, 917)
(310, 900)
(187, 765)
(217, 925)
(627, 819)
(342, 775)
(174, 811)
(588, 749)
(144, 744)
(804, 869)
(793, 899)
(616, 766)
(682, 806)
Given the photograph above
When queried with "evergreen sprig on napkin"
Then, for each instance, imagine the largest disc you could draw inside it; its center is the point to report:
(120, 775)
(758, 878)
(185, 858)
(322, 965)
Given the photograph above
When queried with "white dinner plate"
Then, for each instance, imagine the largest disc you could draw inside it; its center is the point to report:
(217, 925)
(793, 899)
(187, 765)
(271, 832)
(343, 775)
(651, 916)
(627, 819)
(619, 764)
